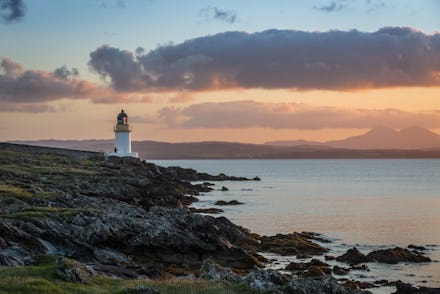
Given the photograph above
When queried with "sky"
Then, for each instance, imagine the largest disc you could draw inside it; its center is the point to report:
(231, 70)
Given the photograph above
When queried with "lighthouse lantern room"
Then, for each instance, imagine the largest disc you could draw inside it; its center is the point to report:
(122, 137)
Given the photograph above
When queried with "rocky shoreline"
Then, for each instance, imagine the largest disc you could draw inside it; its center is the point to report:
(126, 218)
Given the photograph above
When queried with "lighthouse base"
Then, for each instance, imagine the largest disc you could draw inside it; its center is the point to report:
(119, 154)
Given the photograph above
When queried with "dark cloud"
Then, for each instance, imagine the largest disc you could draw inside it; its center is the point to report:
(334, 60)
(65, 73)
(11, 10)
(248, 114)
(228, 16)
(332, 6)
(30, 90)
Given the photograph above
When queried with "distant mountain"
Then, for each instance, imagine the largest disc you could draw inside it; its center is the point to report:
(228, 150)
(379, 138)
(387, 138)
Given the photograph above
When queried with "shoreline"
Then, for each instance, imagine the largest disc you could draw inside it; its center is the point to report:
(52, 189)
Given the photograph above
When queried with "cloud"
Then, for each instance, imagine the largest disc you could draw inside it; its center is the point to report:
(65, 73)
(333, 60)
(181, 97)
(11, 10)
(332, 6)
(228, 16)
(31, 90)
(249, 114)
(142, 119)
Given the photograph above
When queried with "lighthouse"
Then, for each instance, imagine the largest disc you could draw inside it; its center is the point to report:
(122, 137)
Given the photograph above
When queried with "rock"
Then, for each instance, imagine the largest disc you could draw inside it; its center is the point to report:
(140, 290)
(262, 280)
(217, 274)
(3, 243)
(256, 179)
(404, 288)
(415, 247)
(206, 210)
(362, 267)
(314, 236)
(352, 256)
(224, 189)
(340, 271)
(290, 244)
(232, 202)
(395, 255)
(359, 285)
(72, 271)
(329, 257)
(324, 285)
(316, 271)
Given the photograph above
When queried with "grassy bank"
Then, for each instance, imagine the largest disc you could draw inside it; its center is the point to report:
(42, 278)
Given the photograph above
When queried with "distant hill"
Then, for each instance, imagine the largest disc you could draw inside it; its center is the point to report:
(379, 138)
(228, 150)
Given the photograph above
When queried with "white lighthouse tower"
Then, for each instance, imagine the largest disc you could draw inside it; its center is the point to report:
(123, 137)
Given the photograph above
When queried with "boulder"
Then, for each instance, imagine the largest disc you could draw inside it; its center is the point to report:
(262, 280)
(213, 272)
(404, 288)
(352, 256)
(232, 202)
(72, 271)
(290, 244)
(395, 255)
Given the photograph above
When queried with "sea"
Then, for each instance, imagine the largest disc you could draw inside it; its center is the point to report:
(368, 203)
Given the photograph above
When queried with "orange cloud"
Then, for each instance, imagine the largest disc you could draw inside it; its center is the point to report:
(251, 114)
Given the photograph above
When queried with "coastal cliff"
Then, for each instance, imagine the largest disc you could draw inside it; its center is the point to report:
(87, 218)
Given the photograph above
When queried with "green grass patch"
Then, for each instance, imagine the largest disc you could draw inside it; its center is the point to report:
(42, 278)
(46, 170)
(13, 191)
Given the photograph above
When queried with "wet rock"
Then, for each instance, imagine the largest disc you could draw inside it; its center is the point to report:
(404, 288)
(329, 257)
(340, 271)
(317, 271)
(324, 285)
(206, 210)
(352, 256)
(415, 247)
(3, 243)
(213, 272)
(290, 244)
(72, 271)
(224, 189)
(232, 202)
(395, 255)
(359, 285)
(362, 267)
(314, 236)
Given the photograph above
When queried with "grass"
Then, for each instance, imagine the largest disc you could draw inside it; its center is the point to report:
(39, 212)
(46, 170)
(13, 191)
(42, 278)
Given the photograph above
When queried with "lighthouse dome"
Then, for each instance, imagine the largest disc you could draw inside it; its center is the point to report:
(122, 117)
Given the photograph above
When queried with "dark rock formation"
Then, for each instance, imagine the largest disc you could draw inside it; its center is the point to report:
(123, 216)
(211, 210)
(352, 256)
(188, 174)
(404, 288)
(223, 203)
(416, 247)
(224, 189)
(323, 285)
(395, 255)
(290, 244)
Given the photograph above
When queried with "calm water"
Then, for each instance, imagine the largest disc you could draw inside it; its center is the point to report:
(368, 203)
